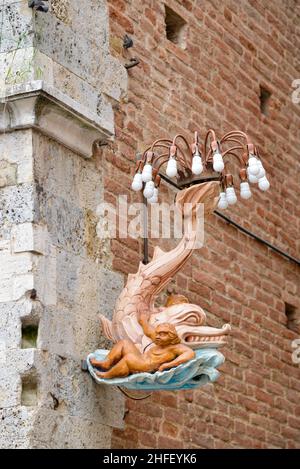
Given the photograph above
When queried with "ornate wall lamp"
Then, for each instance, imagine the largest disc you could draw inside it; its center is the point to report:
(170, 347)
(191, 164)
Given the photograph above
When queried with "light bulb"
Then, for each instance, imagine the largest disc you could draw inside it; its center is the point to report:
(154, 198)
(262, 171)
(222, 204)
(231, 196)
(253, 165)
(245, 190)
(149, 189)
(147, 172)
(137, 183)
(197, 166)
(171, 170)
(218, 162)
(263, 184)
(251, 178)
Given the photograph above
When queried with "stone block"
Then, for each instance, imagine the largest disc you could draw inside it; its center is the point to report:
(10, 389)
(10, 327)
(17, 66)
(17, 204)
(16, 276)
(16, 425)
(25, 171)
(65, 222)
(16, 25)
(16, 147)
(46, 276)
(64, 387)
(68, 432)
(21, 284)
(84, 285)
(67, 333)
(21, 361)
(55, 114)
(27, 237)
(8, 174)
(52, 273)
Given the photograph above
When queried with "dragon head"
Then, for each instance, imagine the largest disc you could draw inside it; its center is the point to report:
(189, 320)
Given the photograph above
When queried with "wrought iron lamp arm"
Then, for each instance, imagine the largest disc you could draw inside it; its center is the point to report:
(230, 152)
(186, 163)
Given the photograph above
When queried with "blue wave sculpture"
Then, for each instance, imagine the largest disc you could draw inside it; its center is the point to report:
(192, 374)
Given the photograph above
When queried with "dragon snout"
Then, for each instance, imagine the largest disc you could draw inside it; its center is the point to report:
(204, 336)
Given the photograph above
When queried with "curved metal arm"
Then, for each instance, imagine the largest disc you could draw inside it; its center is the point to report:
(208, 153)
(230, 152)
(160, 140)
(237, 133)
(236, 143)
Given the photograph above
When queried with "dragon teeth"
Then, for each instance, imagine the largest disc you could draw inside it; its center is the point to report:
(204, 339)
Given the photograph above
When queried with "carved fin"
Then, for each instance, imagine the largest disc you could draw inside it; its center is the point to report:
(205, 193)
(140, 269)
(157, 253)
(107, 328)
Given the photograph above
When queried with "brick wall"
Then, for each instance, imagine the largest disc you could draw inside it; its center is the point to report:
(232, 49)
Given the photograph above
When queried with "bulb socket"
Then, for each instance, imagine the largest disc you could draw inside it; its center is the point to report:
(243, 174)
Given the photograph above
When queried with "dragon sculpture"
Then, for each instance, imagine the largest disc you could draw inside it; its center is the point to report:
(142, 288)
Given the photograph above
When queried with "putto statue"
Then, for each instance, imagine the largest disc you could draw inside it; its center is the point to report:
(125, 357)
(167, 347)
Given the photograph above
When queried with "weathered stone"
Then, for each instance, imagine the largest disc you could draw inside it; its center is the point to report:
(16, 32)
(36, 103)
(10, 390)
(27, 237)
(10, 326)
(17, 204)
(56, 100)
(68, 432)
(8, 174)
(17, 66)
(16, 147)
(16, 424)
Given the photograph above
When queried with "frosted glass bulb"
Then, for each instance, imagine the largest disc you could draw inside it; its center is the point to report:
(171, 168)
(251, 178)
(253, 165)
(147, 172)
(218, 162)
(197, 166)
(137, 183)
(263, 184)
(245, 190)
(154, 198)
(262, 171)
(222, 204)
(149, 189)
(231, 196)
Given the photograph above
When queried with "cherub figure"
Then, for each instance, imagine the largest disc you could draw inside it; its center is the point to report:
(125, 358)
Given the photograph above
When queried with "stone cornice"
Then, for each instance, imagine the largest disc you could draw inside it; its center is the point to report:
(40, 106)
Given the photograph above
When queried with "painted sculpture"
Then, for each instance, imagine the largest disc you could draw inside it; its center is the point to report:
(125, 358)
(145, 356)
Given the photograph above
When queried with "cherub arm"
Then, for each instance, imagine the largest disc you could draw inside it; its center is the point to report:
(184, 355)
(148, 330)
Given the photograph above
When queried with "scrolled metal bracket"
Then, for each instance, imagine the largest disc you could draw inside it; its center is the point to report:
(39, 5)
(133, 62)
(127, 44)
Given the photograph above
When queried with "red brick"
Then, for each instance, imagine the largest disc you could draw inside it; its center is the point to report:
(214, 82)
(169, 429)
